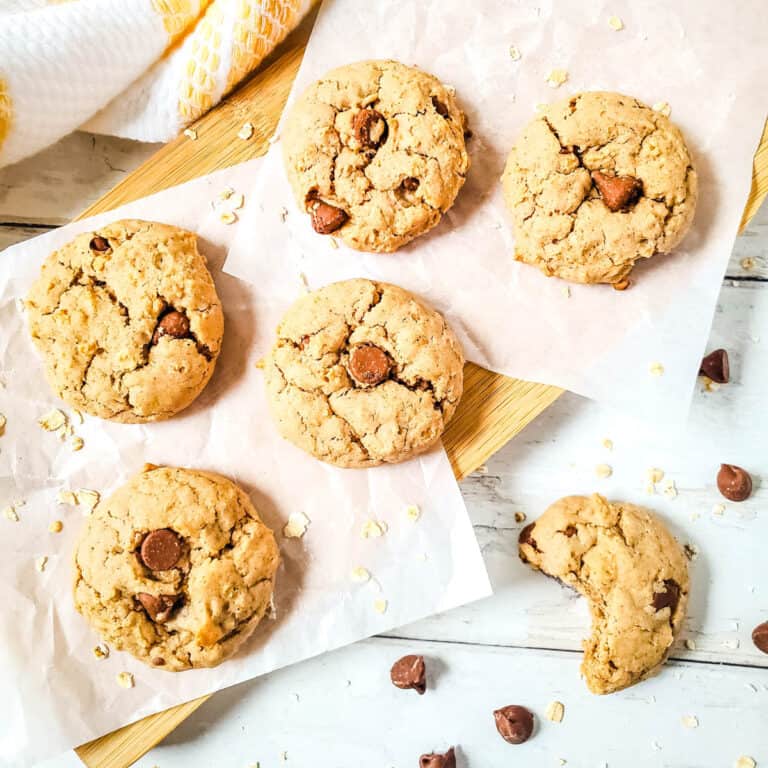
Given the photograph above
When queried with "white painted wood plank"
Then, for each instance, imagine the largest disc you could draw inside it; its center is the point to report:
(341, 711)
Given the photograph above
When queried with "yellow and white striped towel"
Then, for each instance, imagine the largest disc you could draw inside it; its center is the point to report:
(143, 69)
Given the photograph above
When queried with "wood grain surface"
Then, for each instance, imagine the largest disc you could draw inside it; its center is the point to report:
(493, 409)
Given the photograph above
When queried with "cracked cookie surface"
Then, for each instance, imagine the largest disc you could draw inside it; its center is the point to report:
(363, 373)
(564, 223)
(631, 570)
(127, 321)
(176, 568)
(375, 153)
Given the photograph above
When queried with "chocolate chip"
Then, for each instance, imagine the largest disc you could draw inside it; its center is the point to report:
(526, 536)
(409, 673)
(158, 661)
(370, 128)
(99, 244)
(368, 364)
(570, 531)
(668, 598)
(617, 191)
(760, 637)
(715, 365)
(161, 549)
(326, 218)
(411, 184)
(159, 607)
(734, 482)
(174, 324)
(438, 760)
(440, 108)
(514, 723)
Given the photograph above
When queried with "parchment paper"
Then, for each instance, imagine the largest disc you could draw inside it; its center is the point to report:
(707, 59)
(55, 694)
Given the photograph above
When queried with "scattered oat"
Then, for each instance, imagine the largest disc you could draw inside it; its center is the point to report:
(691, 551)
(566, 291)
(663, 107)
(191, 134)
(690, 721)
(615, 23)
(603, 470)
(607, 443)
(718, 509)
(650, 488)
(125, 680)
(657, 369)
(690, 643)
(225, 194)
(228, 217)
(555, 711)
(78, 416)
(52, 420)
(412, 512)
(245, 132)
(237, 201)
(655, 475)
(670, 489)
(745, 762)
(296, 526)
(41, 562)
(556, 78)
(88, 499)
(520, 517)
(3, 422)
(101, 651)
(514, 53)
(333, 243)
(77, 443)
(10, 513)
(380, 606)
(66, 497)
(747, 263)
(373, 529)
(56, 526)
(360, 574)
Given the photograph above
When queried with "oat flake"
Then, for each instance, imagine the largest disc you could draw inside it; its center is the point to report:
(296, 526)
(555, 711)
(125, 680)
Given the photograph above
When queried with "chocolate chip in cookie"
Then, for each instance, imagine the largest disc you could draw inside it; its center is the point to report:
(160, 549)
(174, 324)
(438, 760)
(734, 482)
(409, 673)
(327, 218)
(99, 244)
(410, 184)
(514, 723)
(370, 128)
(440, 108)
(618, 192)
(669, 597)
(369, 365)
(158, 607)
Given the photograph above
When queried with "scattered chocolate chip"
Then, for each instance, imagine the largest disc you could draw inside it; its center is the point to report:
(409, 673)
(514, 723)
(159, 607)
(370, 128)
(157, 661)
(440, 108)
(438, 760)
(411, 184)
(326, 218)
(617, 191)
(715, 365)
(760, 637)
(734, 482)
(669, 598)
(161, 549)
(368, 364)
(174, 324)
(622, 285)
(99, 244)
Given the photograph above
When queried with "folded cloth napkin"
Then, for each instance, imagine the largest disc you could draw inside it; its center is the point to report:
(142, 69)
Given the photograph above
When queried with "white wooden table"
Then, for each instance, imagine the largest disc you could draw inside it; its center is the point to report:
(522, 645)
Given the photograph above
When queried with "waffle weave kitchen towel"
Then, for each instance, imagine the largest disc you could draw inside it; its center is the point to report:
(142, 69)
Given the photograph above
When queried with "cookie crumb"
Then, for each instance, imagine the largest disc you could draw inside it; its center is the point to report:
(3, 422)
(77, 443)
(88, 499)
(718, 509)
(603, 470)
(520, 517)
(615, 23)
(380, 606)
(52, 420)
(41, 562)
(412, 512)
(191, 134)
(662, 107)
(555, 711)
(747, 263)
(125, 680)
(101, 651)
(656, 369)
(655, 475)
(360, 574)
(514, 53)
(296, 526)
(228, 217)
(690, 643)
(690, 721)
(608, 444)
(557, 77)
(10, 513)
(245, 132)
(745, 762)
(669, 489)
(373, 529)
(56, 526)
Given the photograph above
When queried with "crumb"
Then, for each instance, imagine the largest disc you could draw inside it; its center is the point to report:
(225, 194)
(360, 574)
(718, 509)
(52, 421)
(655, 475)
(615, 23)
(709, 385)
(191, 134)
(66, 497)
(566, 291)
(228, 217)
(670, 489)
(10, 513)
(608, 444)
(56, 526)
(41, 562)
(747, 263)
(556, 78)
(650, 488)
(745, 762)
(296, 526)
(237, 201)
(77, 443)
(520, 517)
(78, 416)
(514, 53)
(125, 680)
(245, 132)
(691, 551)
(690, 643)
(690, 721)
(373, 529)
(603, 470)
(380, 606)
(88, 499)
(101, 651)
(663, 107)
(656, 369)
(555, 711)
(412, 512)
(3, 422)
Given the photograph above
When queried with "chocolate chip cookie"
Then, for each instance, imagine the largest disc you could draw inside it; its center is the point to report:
(631, 570)
(176, 568)
(595, 183)
(363, 373)
(375, 153)
(127, 321)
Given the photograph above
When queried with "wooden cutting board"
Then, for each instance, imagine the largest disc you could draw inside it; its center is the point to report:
(493, 408)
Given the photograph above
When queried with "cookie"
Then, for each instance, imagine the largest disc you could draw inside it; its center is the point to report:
(127, 321)
(176, 568)
(595, 183)
(375, 153)
(363, 373)
(631, 570)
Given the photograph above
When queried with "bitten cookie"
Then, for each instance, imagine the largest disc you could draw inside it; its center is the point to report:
(127, 321)
(176, 568)
(595, 183)
(363, 373)
(375, 152)
(631, 570)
